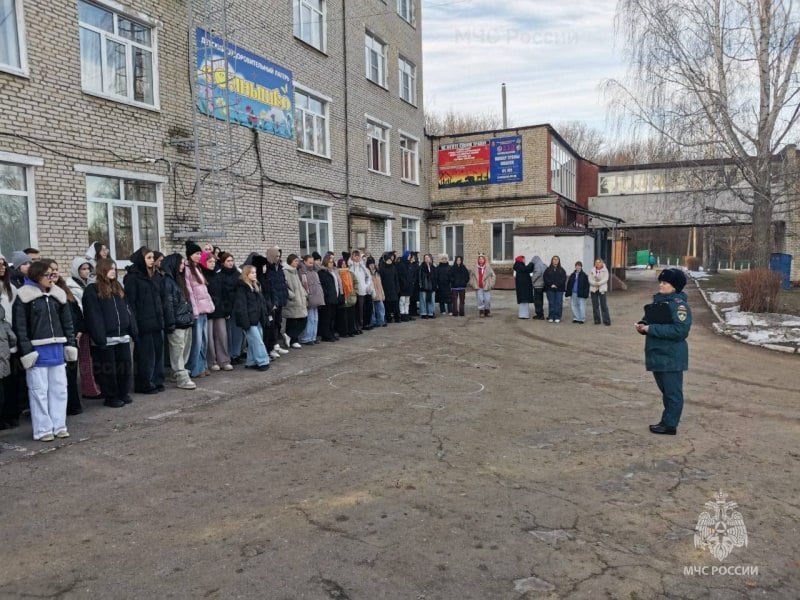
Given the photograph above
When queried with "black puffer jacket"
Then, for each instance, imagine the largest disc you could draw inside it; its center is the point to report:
(145, 296)
(328, 282)
(406, 278)
(555, 276)
(216, 285)
(173, 294)
(41, 318)
(249, 307)
(260, 262)
(278, 290)
(106, 317)
(390, 281)
(427, 278)
(459, 276)
(229, 279)
(443, 281)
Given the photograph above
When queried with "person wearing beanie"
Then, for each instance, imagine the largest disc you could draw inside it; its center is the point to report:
(278, 299)
(482, 279)
(666, 324)
(202, 306)
(598, 288)
(523, 286)
(21, 262)
(444, 292)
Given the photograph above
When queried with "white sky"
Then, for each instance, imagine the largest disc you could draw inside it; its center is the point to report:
(552, 56)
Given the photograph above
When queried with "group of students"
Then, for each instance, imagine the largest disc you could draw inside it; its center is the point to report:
(535, 280)
(67, 336)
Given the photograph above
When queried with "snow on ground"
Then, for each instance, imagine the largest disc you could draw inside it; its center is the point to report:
(698, 274)
(723, 297)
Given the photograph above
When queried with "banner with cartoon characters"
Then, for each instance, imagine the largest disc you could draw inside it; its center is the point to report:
(252, 91)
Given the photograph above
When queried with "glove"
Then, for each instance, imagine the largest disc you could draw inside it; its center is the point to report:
(29, 360)
(70, 353)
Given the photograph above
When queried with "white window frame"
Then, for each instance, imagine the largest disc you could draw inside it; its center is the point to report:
(22, 41)
(504, 223)
(409, 224)
(158, 180)
(329, 220)
(386, 145)
(409, 157)
(374, 44)
(120, 11)
(455, 227)
(407, 69)
(563, 170)
(29, 163)
(326, 102)
(409, 15)
(323, 19)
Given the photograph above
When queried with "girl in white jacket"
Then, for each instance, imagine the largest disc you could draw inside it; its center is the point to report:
(598, 288)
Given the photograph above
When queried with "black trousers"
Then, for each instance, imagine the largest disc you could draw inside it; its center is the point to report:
(392, 310)
(15, 392)
(73, 395)
(346, 320)
(359, 313)
(459, 296)
(148, 353)
(111, 366)
(295, 328)
(366, 314)
(327, 322)
(538, 302)
(272, 334)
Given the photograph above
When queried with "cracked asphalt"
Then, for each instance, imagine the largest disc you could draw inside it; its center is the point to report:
(446, 459)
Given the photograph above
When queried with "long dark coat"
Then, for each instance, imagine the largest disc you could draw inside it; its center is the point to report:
(523, 282)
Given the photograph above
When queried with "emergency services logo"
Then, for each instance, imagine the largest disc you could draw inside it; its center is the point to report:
(720, 528)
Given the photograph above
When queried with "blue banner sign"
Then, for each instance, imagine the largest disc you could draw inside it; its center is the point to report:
(506, 160)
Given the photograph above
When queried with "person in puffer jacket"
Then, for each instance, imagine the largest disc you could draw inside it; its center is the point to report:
(230, 275)
(8, 344)
(110, 326)
(202, 306)
(251, 312)
(309, 278)
(217, 350)
(296, 310)
(179, 338)
(42, 323)
(82, 274)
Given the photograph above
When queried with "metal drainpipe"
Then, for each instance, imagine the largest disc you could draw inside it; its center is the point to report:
(346, 125)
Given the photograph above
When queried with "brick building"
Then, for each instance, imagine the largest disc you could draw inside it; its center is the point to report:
(98, 130)
(489, 187)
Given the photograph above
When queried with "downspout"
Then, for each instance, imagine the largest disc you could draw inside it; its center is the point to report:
(346, 124)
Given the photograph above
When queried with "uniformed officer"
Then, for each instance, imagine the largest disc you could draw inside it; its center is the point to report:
(666, 352)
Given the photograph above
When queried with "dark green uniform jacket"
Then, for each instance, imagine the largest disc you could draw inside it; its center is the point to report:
(665, 348)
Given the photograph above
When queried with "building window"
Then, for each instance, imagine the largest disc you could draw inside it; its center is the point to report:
(502, 241)
(377, 147)
(410, 234)
(12, 37)
(562, 167)
(454, 241)
(409, 158)
(405, 8)
(311, 122)
(17, 208)
(315, 228)
(408, 81)
(375, 59)
(123, 213)
(117, 55)
(309, 22)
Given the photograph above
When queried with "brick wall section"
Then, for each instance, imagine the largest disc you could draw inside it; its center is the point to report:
(792, 234)
(51, 104)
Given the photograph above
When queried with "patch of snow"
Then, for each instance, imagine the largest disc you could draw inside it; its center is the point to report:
(723, 297)
(699, 274)
(744, 319)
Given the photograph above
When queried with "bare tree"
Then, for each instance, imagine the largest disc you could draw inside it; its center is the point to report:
(452, 122)
(717, 78)
(590, 143)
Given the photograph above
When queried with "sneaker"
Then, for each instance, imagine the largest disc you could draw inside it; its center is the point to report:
(549, 320)
(287, 339)
(280, 349)
(47, 437)
(215, 367)
(187, 385)
(558, 321)
(274, 355)
(62, 434)
(262, 367)
(228, 367)
(296, 345)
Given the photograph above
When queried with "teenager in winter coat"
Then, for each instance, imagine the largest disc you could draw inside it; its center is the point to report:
(42, 322)
(459, 280)
(537, 278)
(21, 262)
(82, 275)
(577, 291)
(364, 284)
(598, 289)
(444, 293)
(251, 313)
(217, 356)
(296, 309)
(8, 344)
(202, 306)
(391, 287)
(179, 337)
(523, 286)
(666, 351)
(346, 312)
(110, 327)
(427, 288)
(378, 296)
(309, 278)
(278, 298)
(482, 278)
(408, 283)
(332, 291)
(13, 384)
(144, 292)
(230, 276)
(555, 281)
(74, 406)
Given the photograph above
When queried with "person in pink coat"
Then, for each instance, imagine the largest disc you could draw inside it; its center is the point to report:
(202, 306)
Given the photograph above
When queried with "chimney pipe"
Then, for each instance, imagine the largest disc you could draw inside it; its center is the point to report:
(505, 112)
